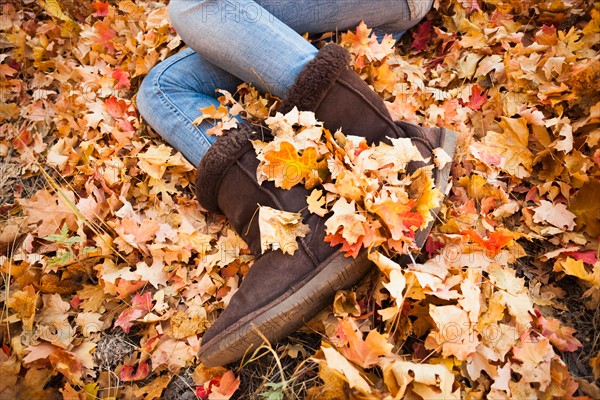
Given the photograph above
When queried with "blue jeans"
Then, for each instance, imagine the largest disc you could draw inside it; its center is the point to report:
(230, 41)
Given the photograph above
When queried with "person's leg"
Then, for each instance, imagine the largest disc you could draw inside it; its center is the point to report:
(172, 93)
(263, 46)
(316, 16)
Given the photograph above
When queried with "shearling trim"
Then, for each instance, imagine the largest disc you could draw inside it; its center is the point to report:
(316, 79)
(217, 160)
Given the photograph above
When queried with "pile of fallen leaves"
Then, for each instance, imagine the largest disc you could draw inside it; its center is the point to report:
(111, 273)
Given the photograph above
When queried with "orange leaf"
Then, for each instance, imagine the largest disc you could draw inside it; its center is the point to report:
(127, 374)
(497, 240)
(286, 168)
(398, 217)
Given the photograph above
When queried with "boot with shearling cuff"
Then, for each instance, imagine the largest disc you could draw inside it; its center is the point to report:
(280, 291)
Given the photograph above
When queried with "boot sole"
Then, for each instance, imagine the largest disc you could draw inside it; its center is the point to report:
(287, 313)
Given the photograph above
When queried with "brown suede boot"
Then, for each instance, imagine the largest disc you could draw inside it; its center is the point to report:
(341, 99)
(281, 292)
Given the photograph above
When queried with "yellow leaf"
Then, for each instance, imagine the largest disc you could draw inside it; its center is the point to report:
(345, 216)
(337, 362)
(512, 146)
(576, 268)
(280, 229)
(429, 381)
(316, 201)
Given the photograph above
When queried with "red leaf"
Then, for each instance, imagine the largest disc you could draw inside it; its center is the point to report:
(101, 8)
(422, 36)
(122, 78)
(127, 374)
(143, 302)
(126, 318)
(75, 302)
(560, 336)
(115, 107)
(432, 247)
(105, 35)
(478, 98)
(348, 250)
(587, 256)
(140, 305)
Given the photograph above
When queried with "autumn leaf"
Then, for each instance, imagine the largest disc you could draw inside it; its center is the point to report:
(315, 202)
(287, 168)
(573, 267)
(346, 217)
(280, 229)
(141, 372)
(338, 363)
(140, 306)
(512, 146)
(423, 35)
(587, 208)
(495, 242)
(559, 335)
(397, 217)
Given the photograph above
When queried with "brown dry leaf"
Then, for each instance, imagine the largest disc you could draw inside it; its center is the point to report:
(280, 229)
(23, 302)
(428, 381)
(337, 362)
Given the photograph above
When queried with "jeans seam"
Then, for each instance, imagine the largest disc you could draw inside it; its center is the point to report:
(166, 100)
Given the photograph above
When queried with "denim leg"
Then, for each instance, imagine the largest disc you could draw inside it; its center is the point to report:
(315, 16)
(172, 93)
(258, 41)
(244, 39)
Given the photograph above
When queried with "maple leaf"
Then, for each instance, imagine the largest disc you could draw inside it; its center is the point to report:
(555, 214)
(397, 216)
(358, 42)
(140, 305)
(384, 78)
(478, 98)
(452, 333)
(573, 267)
(315, 202)
(101, 8)
(559, 335)
(495, 242)
(287, 168)
(23, 302)
(280, 229)
(50, 210)
(122, 78)
(366, 352)
(127, 375)
(422, 36)
(422, 377)
(338, 363)
(346, 217)
(105, 35)
(587, 207)
(154, 274)
(512, 146)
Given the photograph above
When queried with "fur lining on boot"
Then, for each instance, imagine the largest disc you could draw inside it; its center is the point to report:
(316, 79)
(217, 160)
